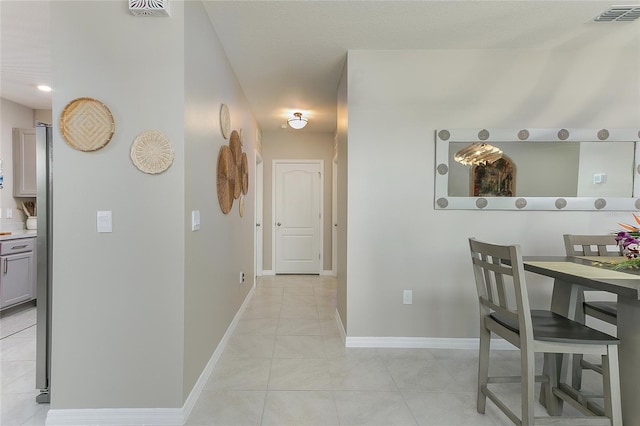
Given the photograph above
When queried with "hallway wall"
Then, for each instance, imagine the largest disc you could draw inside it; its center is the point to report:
(223, 247)
(118, 298)
(397, 100)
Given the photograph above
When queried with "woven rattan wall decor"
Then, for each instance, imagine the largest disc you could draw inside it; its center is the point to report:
(236, 146)
(225, 120)
(232, 168)
(244, 170)
(237, 181)
(225, 179)
(86, 124)
(151, 152)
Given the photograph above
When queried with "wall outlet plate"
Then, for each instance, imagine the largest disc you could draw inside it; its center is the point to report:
(407, 297)
(241, 278)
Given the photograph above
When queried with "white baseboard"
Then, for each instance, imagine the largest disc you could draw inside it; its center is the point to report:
(268, 272)
(208, 369)
(423, 343)
(116, 416)
(147, 416)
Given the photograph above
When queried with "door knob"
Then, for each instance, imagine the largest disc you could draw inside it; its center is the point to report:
(278, 224)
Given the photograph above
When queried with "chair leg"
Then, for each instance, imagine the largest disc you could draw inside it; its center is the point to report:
(483, 367)
(576, 371)
(611, 384)
(553, 406)
(528, 373)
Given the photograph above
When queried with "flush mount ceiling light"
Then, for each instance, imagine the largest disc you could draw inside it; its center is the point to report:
(44, 88)
(478, 154)
(298, 121)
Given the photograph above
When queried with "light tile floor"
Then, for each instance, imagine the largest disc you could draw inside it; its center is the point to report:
(18, 369)
(286, 364)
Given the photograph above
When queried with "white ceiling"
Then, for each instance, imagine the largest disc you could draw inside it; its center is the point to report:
(288, 55)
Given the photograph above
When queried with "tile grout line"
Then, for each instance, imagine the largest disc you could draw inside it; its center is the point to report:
(16, 332)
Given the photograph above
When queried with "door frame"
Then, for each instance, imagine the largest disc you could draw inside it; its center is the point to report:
(334, 216)
(258, 217)
(320, 163)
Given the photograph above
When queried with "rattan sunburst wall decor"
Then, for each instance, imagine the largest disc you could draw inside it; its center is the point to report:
(225, 179)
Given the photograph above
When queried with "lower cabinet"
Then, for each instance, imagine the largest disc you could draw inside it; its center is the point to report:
(17, 271)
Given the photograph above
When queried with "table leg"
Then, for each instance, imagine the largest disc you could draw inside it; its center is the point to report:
(629, 354)
(564, 301)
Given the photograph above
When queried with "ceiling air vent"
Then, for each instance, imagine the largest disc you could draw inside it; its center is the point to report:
(619, 14)
(149, 7)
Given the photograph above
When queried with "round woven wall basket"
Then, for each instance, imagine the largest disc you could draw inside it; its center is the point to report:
(236, 146)
(237, 181)
(244, 169)
(224, 180)
(151, 152)
(86, 124)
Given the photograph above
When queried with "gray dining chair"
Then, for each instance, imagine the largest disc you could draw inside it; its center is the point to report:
(607, 311)
(505, 311)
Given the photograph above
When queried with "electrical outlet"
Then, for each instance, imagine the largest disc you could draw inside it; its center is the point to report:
(241, 278)
(407, 297)
(9, 213)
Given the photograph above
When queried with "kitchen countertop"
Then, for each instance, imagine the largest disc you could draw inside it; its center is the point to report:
(23, 233)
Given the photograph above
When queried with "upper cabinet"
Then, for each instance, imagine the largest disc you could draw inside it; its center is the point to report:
(24, 162)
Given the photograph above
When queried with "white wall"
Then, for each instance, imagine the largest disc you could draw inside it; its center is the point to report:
(396, 240)
(223, 247)
(118, 298)
(299, 145)
(342, 195)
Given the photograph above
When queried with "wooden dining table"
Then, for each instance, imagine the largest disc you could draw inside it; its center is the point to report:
(572, 273)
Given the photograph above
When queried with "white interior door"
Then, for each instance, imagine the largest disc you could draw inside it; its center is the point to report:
(297, 213)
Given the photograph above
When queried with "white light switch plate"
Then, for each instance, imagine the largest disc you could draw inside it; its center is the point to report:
(104, 221)
(195, 220)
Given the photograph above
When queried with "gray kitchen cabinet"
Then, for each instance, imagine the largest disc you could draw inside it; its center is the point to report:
(17, 271)
(24, 162)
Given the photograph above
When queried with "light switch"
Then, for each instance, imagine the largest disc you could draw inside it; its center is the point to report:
(195, 220)
(599, 178)
(104, 221)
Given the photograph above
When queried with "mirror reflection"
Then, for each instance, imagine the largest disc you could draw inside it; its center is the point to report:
(547, 169)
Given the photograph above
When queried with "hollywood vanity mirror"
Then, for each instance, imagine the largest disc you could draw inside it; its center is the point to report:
(537, 169)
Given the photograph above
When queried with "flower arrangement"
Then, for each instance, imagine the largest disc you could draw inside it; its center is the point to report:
(629, 245)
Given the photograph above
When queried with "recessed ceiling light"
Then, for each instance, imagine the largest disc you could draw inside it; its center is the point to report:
(44, 88)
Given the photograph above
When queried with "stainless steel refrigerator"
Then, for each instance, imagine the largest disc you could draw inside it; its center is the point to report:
(44, 240)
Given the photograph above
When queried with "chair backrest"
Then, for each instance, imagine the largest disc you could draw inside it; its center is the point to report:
(498, 270)
(591, 245)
